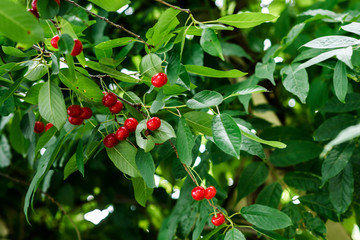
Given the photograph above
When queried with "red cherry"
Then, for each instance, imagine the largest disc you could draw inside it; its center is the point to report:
(131, 124)
(75, 120)
(116, 108)
(210, 192)
(74, 111)
(86, 113)
(109, 99)
(34, 5)
(34, 12)
(54, 41)
(48, 126)
(38, 127)
(110, 140)
(218, 220)
(58, 2)
(198, 193)
(159, 80)
(153, 123)
(122, 133)
(77, 49)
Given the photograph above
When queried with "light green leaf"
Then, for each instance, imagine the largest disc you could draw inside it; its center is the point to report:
(332, 42)
(18, 24)
(158, 103)
(141, 190)
(52, 105)
(145, 142)
(296, 82)
(266, 70)
(246, 19)
(205, 99)
(210, 72)
(340, 81)
(345, 56)
(184, 142)
(234, 234)
(11, 90)
(123, 156)
(319, 58)
(150, 65)
(353, 27)
(146, 166)
(110, 5)
(270, 195)
(200, 121)
(248, 90)
(113, 43)
(163, 133)
(227, 135)
(252, 147)
(33, 93)
(111, 72)
(210, 43)
(265, 217)
(11, 51)
(36, 70)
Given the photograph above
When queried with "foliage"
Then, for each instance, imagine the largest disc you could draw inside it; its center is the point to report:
(261, 106)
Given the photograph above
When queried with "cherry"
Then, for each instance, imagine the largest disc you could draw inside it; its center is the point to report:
(131, 124)
(54, 41)
(210, 192)
(86, 113)
(38, 127)
(159, 80)
(33, 5)
(109, 99)
(110, 140)
(75, 120)
(77, 49)
(198, 193)
(218, 220)
(48, 126)
(153, 123)
(34, 12)
(74, 111)
(116, 108)
(122, 133)
(58, 2)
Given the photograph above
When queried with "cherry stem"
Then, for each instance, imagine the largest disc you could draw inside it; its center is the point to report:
(112, 23)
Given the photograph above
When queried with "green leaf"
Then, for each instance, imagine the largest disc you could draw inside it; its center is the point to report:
(246, 19)
(266, 70)
(319, 58)
(11, 51)
(158, 103)
(36, 70)
(270, 195)
(82, 85)
(213, 232)
(227, 135)
(123, 156)
(341, 189)
(353, 27)
(200, 121)
(210, 72)
(11, 91)
(110, 5)
(303, 181)
(141, 190)
(66, 44)
(17, 139)
(297, 151)
(113, 43)
(210, 43)
(150, 65)
(234, 234)
(5, 152)
(231, 49)
(252, 147)
(247, 90)
(340, 81)
(265, 217)
(332, 42)
(336, 160)
(32, 94)
(80, 157)
(270, 234)
(45, 138)
(145, 142)
(47, 8)
(18, 24)
(253, 176)
(111, 72)
(52, 105)
(320, 203)
(184, 142)
(163, 133)
(205, 99)
(331, 127)
(296, 82)
(344, 136)
(146, 166)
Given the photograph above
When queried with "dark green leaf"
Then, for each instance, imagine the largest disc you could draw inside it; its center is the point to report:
(32, 95)
(47, 8)
(266, 70)
(158, 103)
(330, 128)
(45, 138)
(66, 44)
(340, 81)
(11, 90)
(270, 234)
(270, 195)
(234, 234)
(141, 190)
(11, 51)
(252, 147)
(146, 166)
(5, 152)
(80, 157)
(210, 43)
(184, 142)
(200, 121)
(303, 181)
(321, 204)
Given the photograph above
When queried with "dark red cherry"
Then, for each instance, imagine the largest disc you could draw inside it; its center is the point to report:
(122, 133)
(39, 127)
(75, 120)
(109, 99)
(86, 113)
(116, 108)
(110, 140)
(74, 111)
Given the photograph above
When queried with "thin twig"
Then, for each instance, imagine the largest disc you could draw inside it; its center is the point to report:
(174, 7)
(43, 51)
(19, 181)
(112, 23)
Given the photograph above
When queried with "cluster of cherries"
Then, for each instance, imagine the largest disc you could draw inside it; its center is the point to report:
(78, 114)
(77, 49)
(199, 193)
(34, 9)
(39, 127)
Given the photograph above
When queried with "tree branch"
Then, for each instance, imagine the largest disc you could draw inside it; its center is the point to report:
(174, 7)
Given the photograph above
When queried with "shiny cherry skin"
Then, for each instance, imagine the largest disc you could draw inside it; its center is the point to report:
(75, 120)
(109, 99)
(131, 124)
(77, 49)
(48, 126)
(198, 193)
(122, 133)
(218, 219)
(210, 192)
(39, 127)
(153, 123)
(159, 80)
(34, 5)
(54, 41)
(110, 140)
(74, 111)
(86, 113)
(116, 108)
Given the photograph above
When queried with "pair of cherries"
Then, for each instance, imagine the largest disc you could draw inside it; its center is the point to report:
(39, 127)
(78, 114)
(110, 100)
(121, 134)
